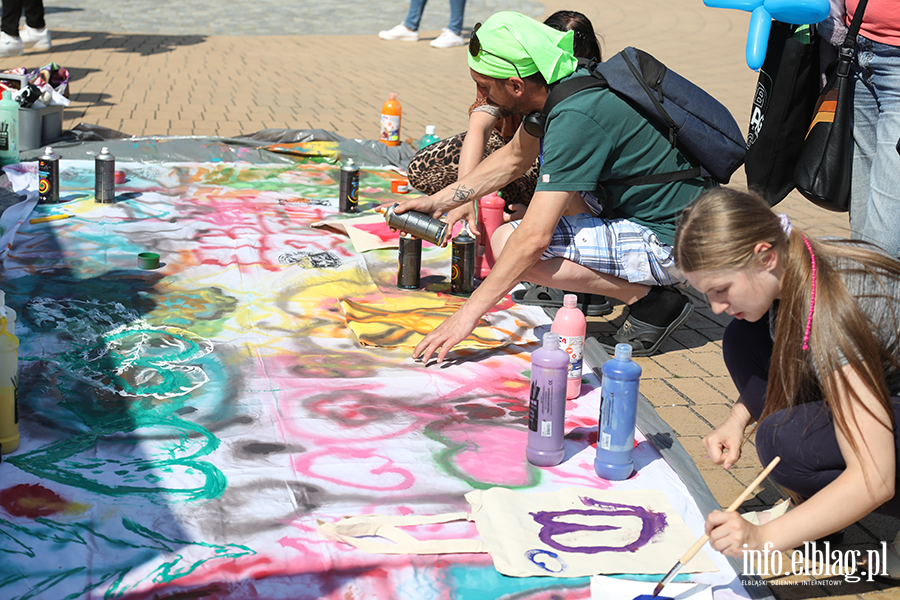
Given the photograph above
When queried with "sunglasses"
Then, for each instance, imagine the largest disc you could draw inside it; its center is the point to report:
(475, 49)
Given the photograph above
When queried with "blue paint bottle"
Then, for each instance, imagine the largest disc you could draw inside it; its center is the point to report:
(618, 413)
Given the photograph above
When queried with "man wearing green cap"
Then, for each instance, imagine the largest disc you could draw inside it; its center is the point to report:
(562, 242)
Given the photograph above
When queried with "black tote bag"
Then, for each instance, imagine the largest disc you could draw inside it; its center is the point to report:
(825, 166)
(783, 105)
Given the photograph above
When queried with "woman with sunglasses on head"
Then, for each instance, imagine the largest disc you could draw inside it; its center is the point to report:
(813, 351)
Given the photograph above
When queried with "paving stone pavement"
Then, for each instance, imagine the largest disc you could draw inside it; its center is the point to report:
(148, 67)
(251, 17)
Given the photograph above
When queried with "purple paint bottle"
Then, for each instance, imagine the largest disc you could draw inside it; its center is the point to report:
(618, 412)
(547, 405)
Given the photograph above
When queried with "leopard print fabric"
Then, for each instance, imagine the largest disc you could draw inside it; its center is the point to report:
(436, 166)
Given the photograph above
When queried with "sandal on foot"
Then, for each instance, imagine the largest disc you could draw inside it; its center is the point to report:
(644, 338)
(552, 298)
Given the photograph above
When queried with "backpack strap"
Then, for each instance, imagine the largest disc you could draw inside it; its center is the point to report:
(565, 89)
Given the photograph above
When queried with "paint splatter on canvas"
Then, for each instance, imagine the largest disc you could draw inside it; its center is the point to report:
(182, 428)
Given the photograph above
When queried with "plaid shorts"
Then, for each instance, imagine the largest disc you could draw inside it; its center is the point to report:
(618, 247)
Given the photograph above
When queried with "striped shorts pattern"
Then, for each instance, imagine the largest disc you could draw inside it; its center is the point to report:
(618, 247)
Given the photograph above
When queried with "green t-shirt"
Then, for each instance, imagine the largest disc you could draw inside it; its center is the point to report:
(595, 136)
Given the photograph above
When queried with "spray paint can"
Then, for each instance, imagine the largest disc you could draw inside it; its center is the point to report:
(105, 177)
(462, 264)
(409, 272)
(418, 224)
(348, 201)
(48, 177)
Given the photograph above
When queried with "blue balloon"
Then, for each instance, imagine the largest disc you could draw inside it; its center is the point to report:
(798, 12)
(758, 37)
(747, 5)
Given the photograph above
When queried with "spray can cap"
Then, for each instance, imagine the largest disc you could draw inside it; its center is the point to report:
(570, 301)
(429, 129)
(48, 150)
(104, 150)
(551, 339)
(623, 351)
(350, 162)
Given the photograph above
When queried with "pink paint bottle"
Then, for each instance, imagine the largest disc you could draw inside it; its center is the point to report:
(547, 403)
(571, 326)
(490, 217)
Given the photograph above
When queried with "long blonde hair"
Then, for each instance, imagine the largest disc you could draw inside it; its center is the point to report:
(720, 231)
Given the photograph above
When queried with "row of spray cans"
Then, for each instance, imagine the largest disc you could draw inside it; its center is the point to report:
(104, 177)
(556, 374)
(9, 379)
(469, 259)
(415, 227)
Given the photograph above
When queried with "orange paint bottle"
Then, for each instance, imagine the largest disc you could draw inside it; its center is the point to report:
(390, 121)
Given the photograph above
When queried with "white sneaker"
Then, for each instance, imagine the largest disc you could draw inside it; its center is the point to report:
(400, 32)
(448, 39)
(39, 39)
(10, 46)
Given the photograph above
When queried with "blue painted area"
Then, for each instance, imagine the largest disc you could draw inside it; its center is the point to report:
(485, 583)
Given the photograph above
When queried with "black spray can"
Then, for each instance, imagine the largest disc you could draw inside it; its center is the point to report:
(462, 265)
(409, 271)
(48, 177)
(105, 177)
(418, 224)
(348, 201)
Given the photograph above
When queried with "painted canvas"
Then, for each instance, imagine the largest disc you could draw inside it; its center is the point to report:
(183, 428)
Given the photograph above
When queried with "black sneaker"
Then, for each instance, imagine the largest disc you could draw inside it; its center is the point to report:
(650, 321)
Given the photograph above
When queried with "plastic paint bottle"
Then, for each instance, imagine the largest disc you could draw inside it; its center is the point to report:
(9, 386)
(10, 314)
(9, 129)
(429, 138)
(547, 403)
(571, 326)
(618, 412)
(390, 121)
(490, 217)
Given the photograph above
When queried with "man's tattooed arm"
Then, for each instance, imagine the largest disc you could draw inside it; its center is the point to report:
(462, 194)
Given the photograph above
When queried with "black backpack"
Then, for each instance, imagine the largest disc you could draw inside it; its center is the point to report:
(697, 124)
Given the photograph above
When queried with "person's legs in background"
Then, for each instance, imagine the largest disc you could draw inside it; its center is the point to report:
(10, 44)
(452, 35)
(457, 11)
(408, 30)
(875, 193)
(414, 16)
(34, 34)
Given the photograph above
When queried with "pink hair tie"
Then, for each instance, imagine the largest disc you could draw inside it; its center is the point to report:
(812, 301)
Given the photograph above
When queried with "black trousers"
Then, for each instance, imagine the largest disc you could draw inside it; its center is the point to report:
(12, 11)
(804, 437)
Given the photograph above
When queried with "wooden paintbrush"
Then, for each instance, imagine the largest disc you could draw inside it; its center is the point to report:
(699, 543)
